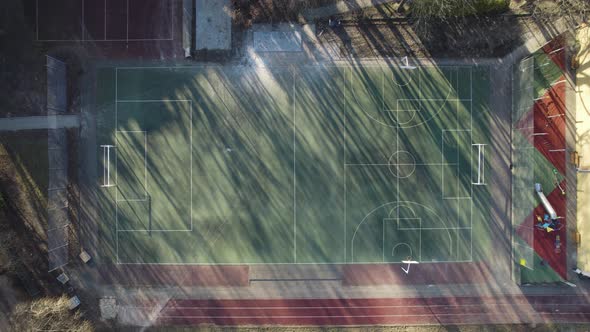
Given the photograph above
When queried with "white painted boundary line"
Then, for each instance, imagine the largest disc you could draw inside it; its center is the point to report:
(417, 164)
(344, 114)
(317, 263)
(83, 27)
(294, 172)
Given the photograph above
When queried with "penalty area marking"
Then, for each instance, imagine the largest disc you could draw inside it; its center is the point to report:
(117, 230)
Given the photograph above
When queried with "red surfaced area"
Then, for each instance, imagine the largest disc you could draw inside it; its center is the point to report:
(175, 275)
(138, 29)
(438, 310)
(556, 52)
(549, 119)
(427, 273)
(545, 244)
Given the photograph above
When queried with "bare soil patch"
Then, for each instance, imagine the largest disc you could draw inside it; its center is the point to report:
(383, 32)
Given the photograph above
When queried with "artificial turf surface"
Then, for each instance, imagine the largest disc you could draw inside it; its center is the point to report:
(310, 164)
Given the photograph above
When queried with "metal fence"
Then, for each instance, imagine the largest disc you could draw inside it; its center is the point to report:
(58, 221)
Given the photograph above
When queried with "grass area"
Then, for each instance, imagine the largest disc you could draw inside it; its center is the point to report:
(293, 165)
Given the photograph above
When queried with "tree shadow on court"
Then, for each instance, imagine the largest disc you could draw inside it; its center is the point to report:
(267, 152)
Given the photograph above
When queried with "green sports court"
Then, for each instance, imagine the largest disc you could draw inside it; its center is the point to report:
(301, 164)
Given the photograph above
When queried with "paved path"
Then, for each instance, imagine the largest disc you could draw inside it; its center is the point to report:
(40, 122)
(583, 146)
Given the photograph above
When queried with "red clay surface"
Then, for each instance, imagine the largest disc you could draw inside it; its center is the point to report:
(113, 28)
(427, 273)
(548, 116)
(175, 275)
(544, 243)
(401, 311)
(556, 52)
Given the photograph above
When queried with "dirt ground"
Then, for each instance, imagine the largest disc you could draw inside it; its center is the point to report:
(383, 32)
(23, 182)
(9, 297)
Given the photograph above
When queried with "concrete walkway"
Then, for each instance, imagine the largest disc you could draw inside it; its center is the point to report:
(40, 122)
(583, 147)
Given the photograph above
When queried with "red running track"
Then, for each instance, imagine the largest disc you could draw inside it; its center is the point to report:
(403, 311)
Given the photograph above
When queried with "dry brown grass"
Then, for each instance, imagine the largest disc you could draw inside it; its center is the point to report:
(48, 314)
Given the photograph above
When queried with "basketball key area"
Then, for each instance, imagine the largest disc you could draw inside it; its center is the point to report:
(312, 164)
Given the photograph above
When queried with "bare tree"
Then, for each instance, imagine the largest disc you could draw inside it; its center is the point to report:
(574, 11)
(48, 314)
(428, 12)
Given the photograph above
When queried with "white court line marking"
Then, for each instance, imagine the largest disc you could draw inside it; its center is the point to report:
(471, 160)
(282, 263)
(457, 100)
(105, 19)
(83, 39)
(400, 244)
(242, 263)
(432, 228)
(294, 173)
(105, 40)
(153, 230)
(127, 22)
(447, 99)
(417, 164)
(116, 169)
(344, 113)
(133, 200)
(82, 27)
(37, 17)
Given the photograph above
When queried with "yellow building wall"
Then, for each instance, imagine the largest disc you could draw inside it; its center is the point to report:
(583, 147)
